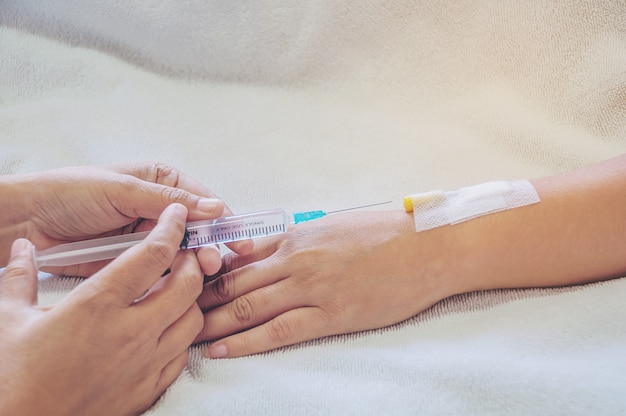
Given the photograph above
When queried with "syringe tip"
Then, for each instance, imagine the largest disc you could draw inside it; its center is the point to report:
(299, 217)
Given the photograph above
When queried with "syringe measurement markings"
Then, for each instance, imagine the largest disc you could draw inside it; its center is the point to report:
(247, 233)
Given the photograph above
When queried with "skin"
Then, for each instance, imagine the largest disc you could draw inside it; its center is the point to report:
(117, 341)
(78, 203)
(357, 271)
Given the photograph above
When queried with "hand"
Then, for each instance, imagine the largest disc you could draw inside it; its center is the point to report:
(340, 274)
(358, 271)
(114, 343)
(78, 203)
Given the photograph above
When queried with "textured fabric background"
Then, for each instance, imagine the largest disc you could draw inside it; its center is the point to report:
(329, 104)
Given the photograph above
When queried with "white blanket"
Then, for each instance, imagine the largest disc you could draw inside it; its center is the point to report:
(330, 104)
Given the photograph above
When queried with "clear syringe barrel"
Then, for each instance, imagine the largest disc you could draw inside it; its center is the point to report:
(235, 228)
(198, 234)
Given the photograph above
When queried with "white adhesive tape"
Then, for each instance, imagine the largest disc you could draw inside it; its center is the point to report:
(437, 208)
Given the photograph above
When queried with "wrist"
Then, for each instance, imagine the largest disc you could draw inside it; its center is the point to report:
(484, 253)
(479, 255)
(433, 257)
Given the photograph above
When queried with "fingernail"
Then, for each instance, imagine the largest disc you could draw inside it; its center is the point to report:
(217, 351)
(20, 246)
(208, 204)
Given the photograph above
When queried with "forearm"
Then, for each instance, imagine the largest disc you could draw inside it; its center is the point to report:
(576, 234)
(363, 270)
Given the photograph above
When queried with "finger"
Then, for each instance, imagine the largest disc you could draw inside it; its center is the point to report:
(294, 326)
(210, 259)
(262, 250)
(88, 269)
(159, 185)
(232, 261)
(241, 246)
(130, 275)
(251, 309)
(18, 282)
(164, 174)
(252, 275)
(179, 336)
(149, 200)
(176, 292)
(177, 181)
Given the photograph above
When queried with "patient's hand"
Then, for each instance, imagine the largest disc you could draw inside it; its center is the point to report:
(356, 271)
(339, 274)
(114, 343)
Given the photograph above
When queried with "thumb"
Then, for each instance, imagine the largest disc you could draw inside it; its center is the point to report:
(19, 280)
(148, 200)
(130, 275)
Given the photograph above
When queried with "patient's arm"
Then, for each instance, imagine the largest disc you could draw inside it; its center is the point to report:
(576, 234)
(357, 271)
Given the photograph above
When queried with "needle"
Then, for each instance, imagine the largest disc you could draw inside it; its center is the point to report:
(299, 217)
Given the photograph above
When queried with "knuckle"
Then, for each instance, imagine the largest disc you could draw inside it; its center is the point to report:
(280, 331)
(158, 172)
(170, 193)
(223, 288)
(165, 174)
(160, 254)
(228, 263)
(242, 310)
(15, 270)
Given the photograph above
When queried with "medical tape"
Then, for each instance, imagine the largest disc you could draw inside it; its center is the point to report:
(437, 208)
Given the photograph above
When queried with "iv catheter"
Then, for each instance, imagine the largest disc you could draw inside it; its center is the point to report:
(197, 234)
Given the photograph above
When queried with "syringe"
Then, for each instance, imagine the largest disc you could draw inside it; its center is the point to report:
(197, 234)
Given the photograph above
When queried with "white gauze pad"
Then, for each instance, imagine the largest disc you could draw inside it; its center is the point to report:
(436, 208)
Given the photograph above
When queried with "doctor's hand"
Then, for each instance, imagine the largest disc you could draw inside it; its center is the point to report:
(77, 203)
(340, 274)
(114, 343)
